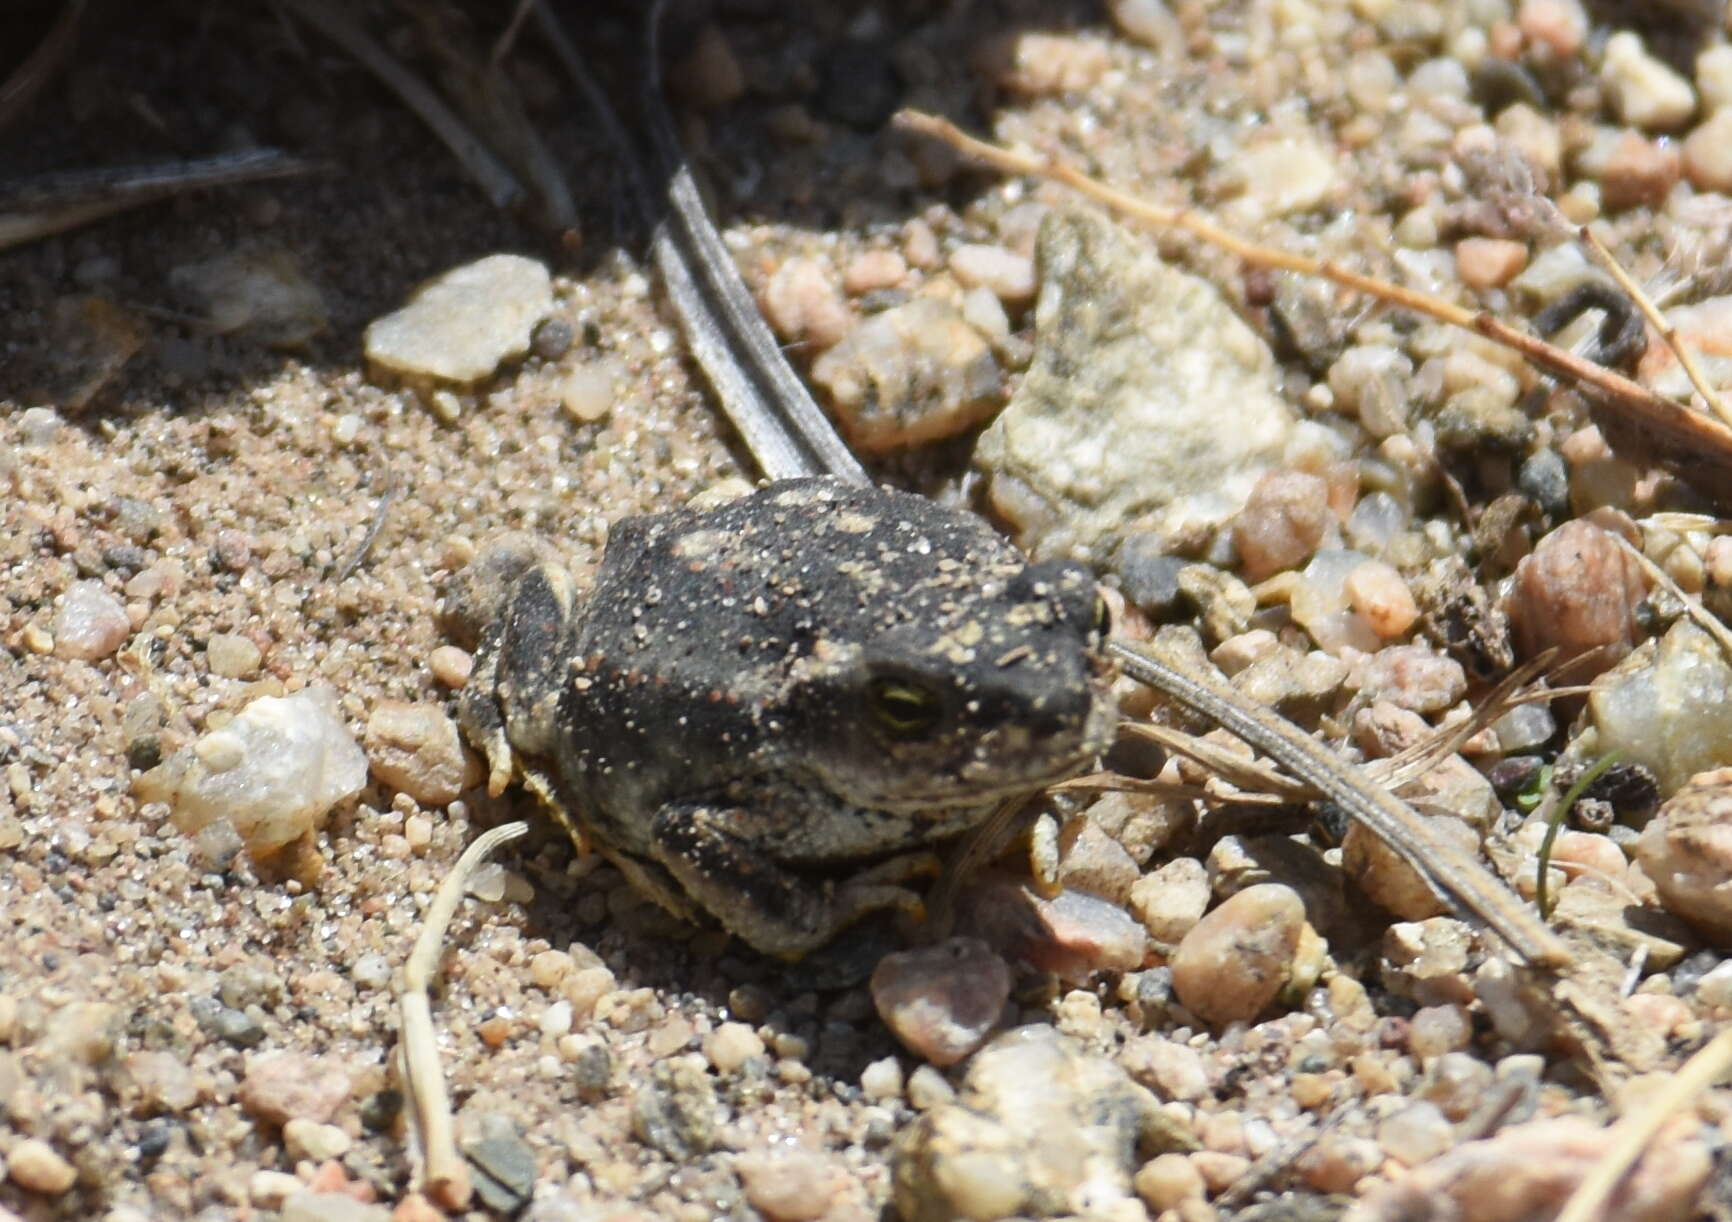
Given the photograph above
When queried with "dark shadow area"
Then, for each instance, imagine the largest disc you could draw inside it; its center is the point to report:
(389, 205)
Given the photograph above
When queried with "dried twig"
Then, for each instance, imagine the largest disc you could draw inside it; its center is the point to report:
(501, 187)
(1705, 619)
(1632, 1134)
(43, 204)
(444, 1174)
(1449, 871)
(785, 430)
(31, 76)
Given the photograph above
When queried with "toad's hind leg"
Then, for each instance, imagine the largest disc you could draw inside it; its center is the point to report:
(776, 910)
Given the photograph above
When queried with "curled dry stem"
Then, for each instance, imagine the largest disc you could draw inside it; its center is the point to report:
(444, 1174)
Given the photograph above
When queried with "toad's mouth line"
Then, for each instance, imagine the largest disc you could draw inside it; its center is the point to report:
(968, 795)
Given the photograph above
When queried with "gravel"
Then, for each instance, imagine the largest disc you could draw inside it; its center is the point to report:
(217, 502)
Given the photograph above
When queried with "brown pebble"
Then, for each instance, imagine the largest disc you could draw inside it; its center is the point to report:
(416, 749)
(35, 1167)
(1685, 849)
(1708, 153)
(873, 271)
(1578, 592)
(1639, 171)
(1379, 593)
(942, 1001)
(802, 303)
(280, 1086)
(1282, 523)
(789, 1184)
(1004, 273)
(709, 76)
(1487, 263)
(1389, 881)
(1236, 960)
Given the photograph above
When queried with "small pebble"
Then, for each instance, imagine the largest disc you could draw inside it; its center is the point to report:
(803, 304)
(1645, 92)
(731, 1045)
(1389, 881)
(1008, 275)
(1714, 990)
(910, 375)
(1578, 592)
(1373, 381)
(1232, 964)
(585, 988)
(587, 393)
(1378, 592)
(1686, 852)
(1435, 1030)
(1167, 1180)
(1714, 77)
(882, 1079)
(232, 656)
(90, 624)
(1150, 22)
(1284, 176)
(282, 1086)
(552, 338)
(1171, 900)
(1282, 523)
(35, 1167)
(1092, 861)
(1487, 263)
(873, 271)
(268, 1189)
(1175, 1070)
(416, 749)
(460, 326)
(1631, 170)
(928, 1089)
(162, 1080)
(549, 967)
(942, 1001)
(1415, 1134)
(1412, 677)
(308, 1139)
(1560, 26)
(450, 665)
(1038, 64)
(788, 1183)
(315, 1205)
(1708, 153)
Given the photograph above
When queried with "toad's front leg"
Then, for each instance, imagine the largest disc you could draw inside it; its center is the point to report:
(776, 909)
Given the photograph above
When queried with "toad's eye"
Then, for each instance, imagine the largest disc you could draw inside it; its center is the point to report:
(1102, 623)
(903, 709)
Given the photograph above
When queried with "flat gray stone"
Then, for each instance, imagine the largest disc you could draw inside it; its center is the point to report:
(1149, 405)
(459, 326)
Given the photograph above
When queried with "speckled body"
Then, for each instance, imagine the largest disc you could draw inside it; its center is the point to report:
(729, 714)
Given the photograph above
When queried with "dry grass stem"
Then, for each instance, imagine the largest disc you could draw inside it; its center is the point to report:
(444, 1175)
(1633, 1133)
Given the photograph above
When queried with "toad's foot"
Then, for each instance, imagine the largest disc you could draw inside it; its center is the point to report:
(775, 909)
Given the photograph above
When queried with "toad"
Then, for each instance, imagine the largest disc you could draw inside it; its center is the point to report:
(767, 712)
